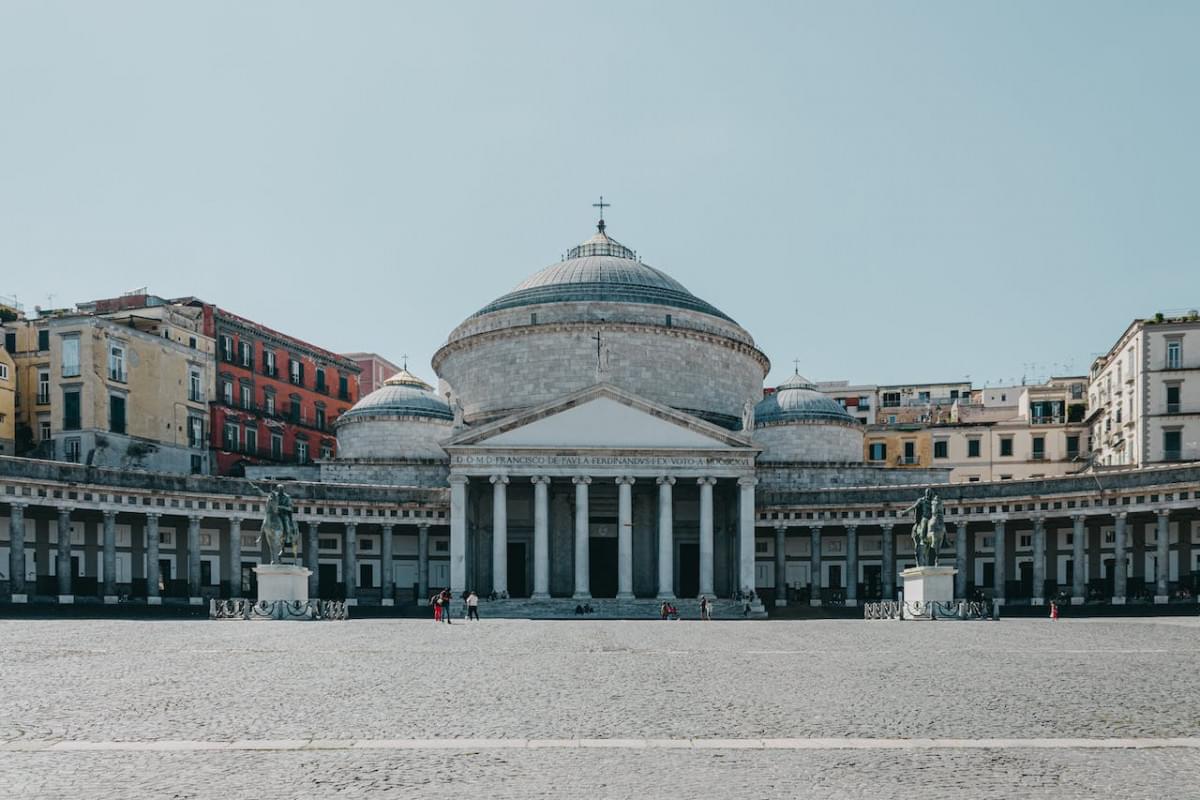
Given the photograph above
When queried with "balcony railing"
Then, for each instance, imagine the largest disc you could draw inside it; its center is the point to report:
(43, 398)
(1173, 408)
(907, 460)
(1172, 455)
(1055, 419)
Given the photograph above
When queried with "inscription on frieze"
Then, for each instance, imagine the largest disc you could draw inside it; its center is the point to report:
(540, 460)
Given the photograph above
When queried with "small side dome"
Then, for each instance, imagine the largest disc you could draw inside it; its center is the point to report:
(797, 400)
(402, 395)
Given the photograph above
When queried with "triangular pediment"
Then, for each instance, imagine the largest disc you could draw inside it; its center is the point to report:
(603, 417)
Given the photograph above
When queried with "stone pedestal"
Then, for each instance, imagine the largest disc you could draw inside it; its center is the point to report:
(928, 584)
(288, 582)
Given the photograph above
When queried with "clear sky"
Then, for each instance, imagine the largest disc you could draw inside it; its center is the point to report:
(885, 191)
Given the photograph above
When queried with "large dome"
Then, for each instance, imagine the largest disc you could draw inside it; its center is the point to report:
(601, 315)
(604, 270)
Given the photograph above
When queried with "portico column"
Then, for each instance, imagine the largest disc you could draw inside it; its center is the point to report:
(458, 534)
(582, 565)
(666, 539)
(387, 585)
(16, 552)
(706, 536)
(1038, 596)
(109, 557)
(153, 596)
(499, 534)
(625, 538)
(888, 571)
(746, 533)
(852, 565)
(312, 555)
(960, 559)
(999, 576)
(1119, 566)
(422, 564)
(350, 561)
(63, 563)
(781, 564)
(193, 558)
(235, 555)
(541, 537)
(1162, 574)
(1078, 559)
(815, 579)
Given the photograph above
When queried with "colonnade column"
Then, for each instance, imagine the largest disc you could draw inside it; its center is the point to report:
(1078, 558)
(852, 565)
(1038, 595)
(386, 583)
(706, 536)
(746, 533)
(312, 554)
(582, 564)
(422, 564)
(1163, 570)
(16, 553)
(1120, 569)
(666, 539)
(350, 561)
(500, 534)
(109, 557)
(625, 538)
(960, 560)
(541, 537)
(153, 596)
(235, 555)
(999, 576)
(888, 571)
(193, 558)
(458, 534)
(780, 565)
(62, 564)
(814, 578)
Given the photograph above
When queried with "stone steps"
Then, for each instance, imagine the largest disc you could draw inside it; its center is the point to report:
(602, 608)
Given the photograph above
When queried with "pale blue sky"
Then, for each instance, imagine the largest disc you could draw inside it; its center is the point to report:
(886, 191)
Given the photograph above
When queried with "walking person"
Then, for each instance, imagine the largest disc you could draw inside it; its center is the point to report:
(1053, 610)
(446, 597)
(436, 602)
(703, 608)
(473, 606)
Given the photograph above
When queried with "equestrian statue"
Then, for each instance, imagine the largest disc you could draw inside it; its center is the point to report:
(278, 527)
(929, 527)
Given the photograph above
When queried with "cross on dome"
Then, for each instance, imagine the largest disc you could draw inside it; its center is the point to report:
(601, 205)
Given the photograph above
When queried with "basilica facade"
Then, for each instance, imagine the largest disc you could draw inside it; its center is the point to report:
(597, 435)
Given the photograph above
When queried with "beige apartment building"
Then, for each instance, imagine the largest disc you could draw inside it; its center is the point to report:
(122, 391)
(1145, 393)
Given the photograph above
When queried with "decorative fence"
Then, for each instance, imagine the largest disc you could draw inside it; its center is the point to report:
(279, 609)
(931, 610)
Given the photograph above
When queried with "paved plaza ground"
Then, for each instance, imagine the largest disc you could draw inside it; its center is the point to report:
(196, 709)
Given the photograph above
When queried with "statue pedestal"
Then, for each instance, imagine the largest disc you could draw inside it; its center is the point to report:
(928, 584)
(286, 582)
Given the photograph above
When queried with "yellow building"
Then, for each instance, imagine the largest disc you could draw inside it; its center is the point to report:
(899, 445)
(8, 398)
(123, 392)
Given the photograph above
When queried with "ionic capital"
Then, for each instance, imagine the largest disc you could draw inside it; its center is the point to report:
(581, 479)
(536, 479)
(626, 480)
(706, 481)
(499, 479)
(665, 479)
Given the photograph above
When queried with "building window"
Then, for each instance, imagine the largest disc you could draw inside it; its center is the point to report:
(72, 448)
(247, 395)
(227, 392)
(195, 386)
(1026, 541)
(251, 440)
(1039, 447)
(941, 449)
(276, 447)
(231, 438)
(973, 479)
(343, 387)
(1173, 399)
(1006, 446)
(328, 543)
(326, 450)
(1072, 447)
(320, 418)
(269, 403)
(116, 413)
(296, 372)
(3, 372)
(1172, 445)
(70, 357)
(301, 451)
(1174, 354)
(891, 399)
(192, 342)
(43, 430)
(195, 433)
(973, 448)
(197, 464)
(43, 387)
(269, 363)
(878, 451)
(864, 403)
(246, 351)
(891, 419)
(116, 363)
(320, 374)
(10, 342)
(226, 348)
(43, 340)
(294, 414)
(910, 452)
(71, 408)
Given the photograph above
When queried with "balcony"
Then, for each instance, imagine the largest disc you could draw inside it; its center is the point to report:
(118, 375)
(43, 398)
(196, 397)
(907, 461)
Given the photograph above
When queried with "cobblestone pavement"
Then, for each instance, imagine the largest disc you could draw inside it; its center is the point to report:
(197, 683)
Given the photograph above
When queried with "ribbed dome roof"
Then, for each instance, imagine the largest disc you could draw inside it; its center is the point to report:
(602, 270)
(402, 395)
(797, 400)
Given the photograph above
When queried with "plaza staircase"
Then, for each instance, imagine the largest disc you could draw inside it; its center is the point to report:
(605, 608)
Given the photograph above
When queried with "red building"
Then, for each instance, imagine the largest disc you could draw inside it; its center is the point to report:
(375, 370)
(276, 396)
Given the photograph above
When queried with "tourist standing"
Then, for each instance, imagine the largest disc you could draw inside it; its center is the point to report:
(1053, 610)
(446, 598)
(473, 606)
(703, 608)
(436, 602)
